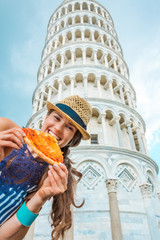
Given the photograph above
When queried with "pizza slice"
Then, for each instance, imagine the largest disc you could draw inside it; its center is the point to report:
(44, 144)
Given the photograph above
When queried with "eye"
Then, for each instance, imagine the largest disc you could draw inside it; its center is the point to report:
(69, 127)
(56, 117)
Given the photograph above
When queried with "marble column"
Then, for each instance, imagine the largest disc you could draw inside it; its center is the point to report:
(145, 144)
(95, 56)
(99, 86)
(131, 136)
(49, 93)
(128, 98)
(69, 234)
(104, 128)
(72, 85)
(119, 133)
(102, 41)
(46, 70)
(111, 185)
(84, 55)
(121, 94)
(41, 101)
(115, 65)
(72, 56)
(35, 105)
(82, 35)
(53, 65)
(146, 191)
(62, 60)
(106, 61)
(85, 82)
(140, 140)
(111, 89)
(59, 90)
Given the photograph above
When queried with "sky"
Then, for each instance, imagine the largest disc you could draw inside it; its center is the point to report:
(23, 28)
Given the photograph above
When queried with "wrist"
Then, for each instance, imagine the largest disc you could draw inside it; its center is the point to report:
(25, 216)
(36, 203)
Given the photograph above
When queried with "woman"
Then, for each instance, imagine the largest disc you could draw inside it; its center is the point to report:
(67, 121)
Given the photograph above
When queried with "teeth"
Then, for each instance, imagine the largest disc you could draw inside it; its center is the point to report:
(54, 135)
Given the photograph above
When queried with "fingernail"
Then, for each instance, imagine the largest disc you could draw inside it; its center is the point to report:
(55, 165)
(61, 164)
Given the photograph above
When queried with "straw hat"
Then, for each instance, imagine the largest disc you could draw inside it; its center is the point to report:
(77, 110)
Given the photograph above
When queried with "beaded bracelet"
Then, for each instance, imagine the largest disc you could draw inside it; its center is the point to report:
(25, 216)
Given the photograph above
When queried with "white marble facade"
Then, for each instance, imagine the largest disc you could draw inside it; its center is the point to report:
(82, 55)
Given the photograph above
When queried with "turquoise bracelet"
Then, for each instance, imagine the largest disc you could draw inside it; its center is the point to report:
(25, 216)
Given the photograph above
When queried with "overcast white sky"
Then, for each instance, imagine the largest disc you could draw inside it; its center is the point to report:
(23, 26)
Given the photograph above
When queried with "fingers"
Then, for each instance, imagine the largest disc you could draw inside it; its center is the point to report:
(59, 176)
(12, 138)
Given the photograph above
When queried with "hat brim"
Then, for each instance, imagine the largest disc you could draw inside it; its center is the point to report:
(85, 134)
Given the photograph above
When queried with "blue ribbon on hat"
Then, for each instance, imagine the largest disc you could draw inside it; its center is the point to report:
(71, 113)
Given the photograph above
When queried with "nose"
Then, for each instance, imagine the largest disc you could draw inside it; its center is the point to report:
(59, 127)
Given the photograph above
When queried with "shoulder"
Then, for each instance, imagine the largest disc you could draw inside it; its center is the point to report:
(6, 123)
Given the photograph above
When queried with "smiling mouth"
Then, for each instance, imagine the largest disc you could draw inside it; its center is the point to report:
(50, 132)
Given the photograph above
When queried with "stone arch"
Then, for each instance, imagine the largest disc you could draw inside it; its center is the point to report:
(85, 19)
(40, 123)
(92, 8)
(94, 21)
(84, 6)
(114, 83)
(69, 21)
(91, 77)
(67, 56)
(77, 6)
(132, 164)
(109, 60)
(110, 115)
(67, 80)
(78, 54)
(99, 11)
(100, 56)
(56, 84)
(79, 77)
(96, 36)
(89, 54)
(58, 61)
(62, 24)
(105, 39)
(63, 11)
(87, 35)
(77, 19)
(103, 80)
(78, 34)
(69, 8)
(68, 36)
(60, 40)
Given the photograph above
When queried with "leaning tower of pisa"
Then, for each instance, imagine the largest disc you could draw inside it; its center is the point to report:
(82, 55)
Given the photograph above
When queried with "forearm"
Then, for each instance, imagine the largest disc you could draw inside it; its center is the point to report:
(13, 229)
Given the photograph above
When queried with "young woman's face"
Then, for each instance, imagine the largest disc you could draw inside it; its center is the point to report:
(60, 127)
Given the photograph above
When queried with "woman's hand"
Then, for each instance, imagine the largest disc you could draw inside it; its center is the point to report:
(55, 183)
(11, 138)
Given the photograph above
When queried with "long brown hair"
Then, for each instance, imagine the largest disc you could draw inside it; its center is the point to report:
(61, 214)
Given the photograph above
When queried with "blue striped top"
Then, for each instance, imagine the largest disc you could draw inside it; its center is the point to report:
(20, 174)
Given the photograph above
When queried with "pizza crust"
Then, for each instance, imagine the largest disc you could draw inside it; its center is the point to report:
(39, 153)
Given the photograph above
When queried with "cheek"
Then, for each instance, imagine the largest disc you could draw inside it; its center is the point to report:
(47, 123)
